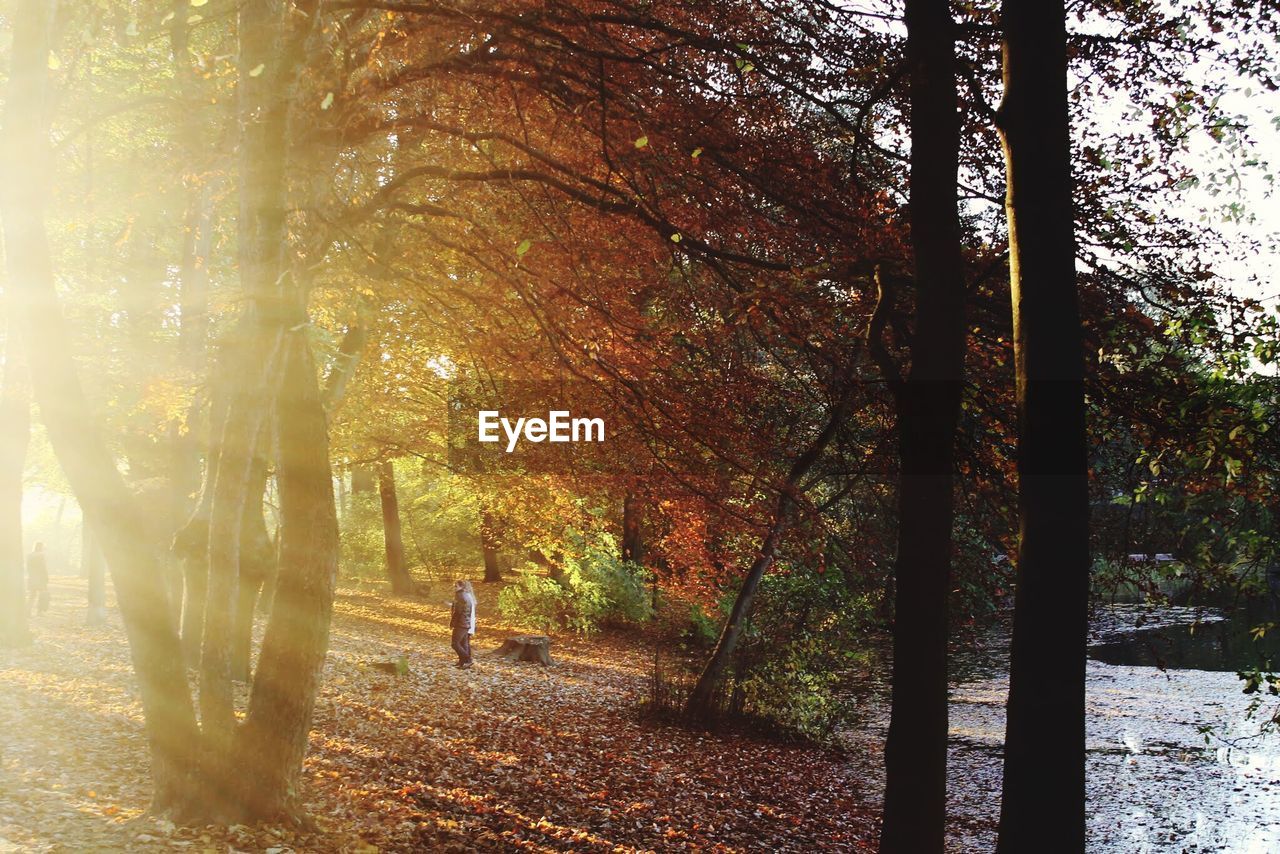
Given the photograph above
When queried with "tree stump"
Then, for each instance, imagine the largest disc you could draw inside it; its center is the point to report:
(525, 648)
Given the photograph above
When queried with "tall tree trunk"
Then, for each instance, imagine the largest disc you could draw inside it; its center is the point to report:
(98, 486)
(1044, 779)
(632, 528)
(15, 432)
(257, 566)
(193, 337)
(928, 408)
(273, 741)
(700, 705)
(233, 496)
(255, 355)
(392, 536)
(489, 546)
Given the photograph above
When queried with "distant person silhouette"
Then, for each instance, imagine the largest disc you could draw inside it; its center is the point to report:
(37, 580)
(462, 620)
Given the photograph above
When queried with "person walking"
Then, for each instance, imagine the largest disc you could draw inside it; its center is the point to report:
(462, 620)
(37, 580)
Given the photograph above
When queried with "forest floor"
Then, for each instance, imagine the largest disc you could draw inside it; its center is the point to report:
(503, 757)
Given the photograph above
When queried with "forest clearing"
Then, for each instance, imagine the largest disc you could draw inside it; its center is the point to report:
(512, 757)
(504, 757)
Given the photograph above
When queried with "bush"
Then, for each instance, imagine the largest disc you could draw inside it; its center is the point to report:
(792, 671)
(593, 588)
(797, 690)
(534, 600)
(704, 628)
(362, 553)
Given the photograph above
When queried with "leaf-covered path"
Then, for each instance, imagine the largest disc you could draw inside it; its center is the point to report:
(499, 758)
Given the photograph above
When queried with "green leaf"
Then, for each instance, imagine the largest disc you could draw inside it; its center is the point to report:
(697, 152)
(327, 102)
(642, 142)
(676, 238)
(525, 246)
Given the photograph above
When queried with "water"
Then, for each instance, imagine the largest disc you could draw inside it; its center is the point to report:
(1203, 640)
(1155, 784)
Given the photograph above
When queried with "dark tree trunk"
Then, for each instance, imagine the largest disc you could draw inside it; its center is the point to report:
(98, 486)
(632, 528)
(928, 407)
(256, 359)
(1044, 778)
(15, 432)
(344, 364)
(701, 703)
(489, 546)
(392, 536)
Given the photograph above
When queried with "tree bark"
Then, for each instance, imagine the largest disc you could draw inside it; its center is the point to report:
(273, 741)
(270, 746)
(701, 702)
(98, 486)
(15, 432)
(1044, 776)
(928, 408)
(255, 355)
(392, 536)
(489, 546)
(632, 528)
(257, 565)
(344, 364)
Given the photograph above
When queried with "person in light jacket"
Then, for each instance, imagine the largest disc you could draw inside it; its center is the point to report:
(462, 620)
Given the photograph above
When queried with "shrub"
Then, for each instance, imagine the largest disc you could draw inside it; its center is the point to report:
(533, 600)
(594, 587)
(704, 628)
(792, 671)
